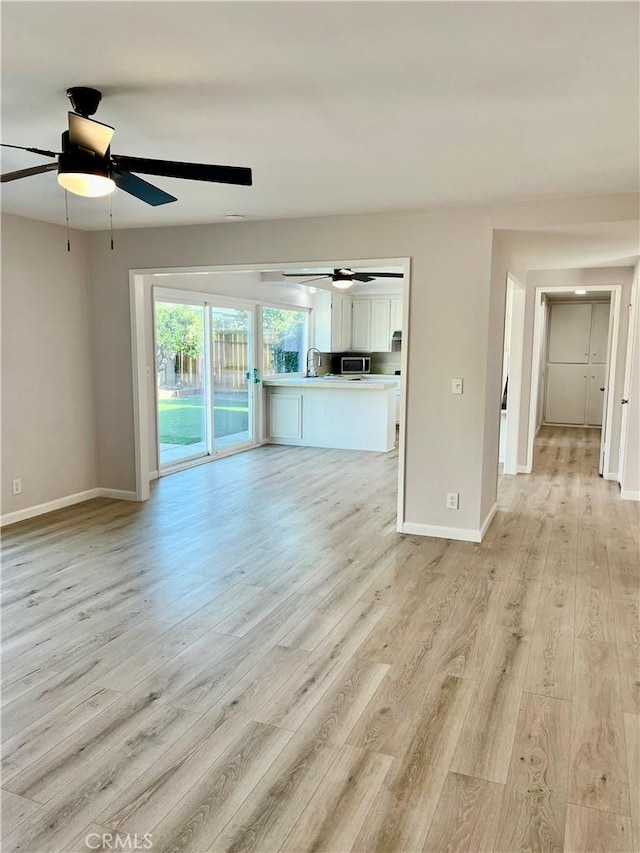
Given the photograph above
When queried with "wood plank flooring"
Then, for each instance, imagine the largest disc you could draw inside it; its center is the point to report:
(255, 660)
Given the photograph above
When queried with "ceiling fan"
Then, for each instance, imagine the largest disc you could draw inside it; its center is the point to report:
(344, 278)
(87, 168)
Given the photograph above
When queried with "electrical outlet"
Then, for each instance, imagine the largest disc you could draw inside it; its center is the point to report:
(16, 486)
(453, 500)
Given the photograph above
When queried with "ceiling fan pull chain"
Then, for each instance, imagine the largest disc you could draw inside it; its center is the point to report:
(66, 209)
(111, 222)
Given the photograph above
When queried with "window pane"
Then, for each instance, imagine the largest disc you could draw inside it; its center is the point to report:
(284, 333)
(180, 378)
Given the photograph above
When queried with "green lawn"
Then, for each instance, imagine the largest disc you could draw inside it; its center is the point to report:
(181, 419)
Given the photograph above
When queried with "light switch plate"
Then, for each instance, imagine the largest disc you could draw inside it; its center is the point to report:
(456, 386)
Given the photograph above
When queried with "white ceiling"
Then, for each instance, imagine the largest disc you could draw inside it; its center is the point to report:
(340, 107)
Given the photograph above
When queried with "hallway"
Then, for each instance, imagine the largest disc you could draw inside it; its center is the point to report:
(280, 670)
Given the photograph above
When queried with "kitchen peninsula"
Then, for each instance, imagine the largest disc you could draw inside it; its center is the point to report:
(332, 411)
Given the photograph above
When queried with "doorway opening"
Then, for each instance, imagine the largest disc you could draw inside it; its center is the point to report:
(574, 363)
(206, 397)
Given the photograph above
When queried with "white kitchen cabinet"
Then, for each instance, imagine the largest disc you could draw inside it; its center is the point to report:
(331, 321)
(285, 416)
(395, 319)
(346, 338)
(361, 325)
(374, 320)
(380, 325)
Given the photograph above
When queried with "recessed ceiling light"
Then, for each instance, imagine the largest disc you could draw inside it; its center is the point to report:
(234, 216)
(579, 292)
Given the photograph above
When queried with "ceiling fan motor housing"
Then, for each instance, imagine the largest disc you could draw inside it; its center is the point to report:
(84, 100)
(75, 160)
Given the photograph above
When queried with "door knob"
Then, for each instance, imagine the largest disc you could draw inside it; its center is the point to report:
(602, 389)
(623, 402)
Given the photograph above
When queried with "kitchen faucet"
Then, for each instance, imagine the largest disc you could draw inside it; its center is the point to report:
(312, 351)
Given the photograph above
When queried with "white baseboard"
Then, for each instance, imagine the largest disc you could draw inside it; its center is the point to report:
(153, 475)
(438, 532)
(49, 506)
(117, 494)
(460, 533)
(613, 477)
(61, 503)
(627, 495)
(523, 469)
(488, 520)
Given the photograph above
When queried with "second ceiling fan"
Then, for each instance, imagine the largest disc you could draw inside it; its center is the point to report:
(344, 278)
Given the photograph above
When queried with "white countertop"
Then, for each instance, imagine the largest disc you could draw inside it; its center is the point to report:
(367, 383)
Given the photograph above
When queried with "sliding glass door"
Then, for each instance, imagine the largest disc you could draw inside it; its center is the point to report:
(181, 381)
(206, 381)
(232, 365)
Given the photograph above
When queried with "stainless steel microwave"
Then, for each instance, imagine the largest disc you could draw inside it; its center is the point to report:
(355, 365)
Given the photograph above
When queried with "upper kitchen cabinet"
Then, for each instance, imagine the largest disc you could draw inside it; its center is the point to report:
(332, 321)
(374, 322)
(361, 325)
(395, 323)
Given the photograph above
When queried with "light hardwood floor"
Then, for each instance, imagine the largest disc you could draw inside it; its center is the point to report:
(256, 661)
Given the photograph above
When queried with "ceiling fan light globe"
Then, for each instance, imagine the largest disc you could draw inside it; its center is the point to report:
(86, 184)
(343, 283)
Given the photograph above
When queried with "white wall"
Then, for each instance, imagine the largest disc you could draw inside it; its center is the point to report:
(48, 410)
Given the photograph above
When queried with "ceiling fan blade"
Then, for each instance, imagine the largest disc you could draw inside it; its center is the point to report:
(189, 171)
(386, 274)
(143, 190)
(90, 134)
(302, 274)
(33, 150)
(361, 276)
(24, 173)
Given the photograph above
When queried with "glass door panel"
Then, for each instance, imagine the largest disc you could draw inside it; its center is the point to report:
(180, 381)
(232, 375)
